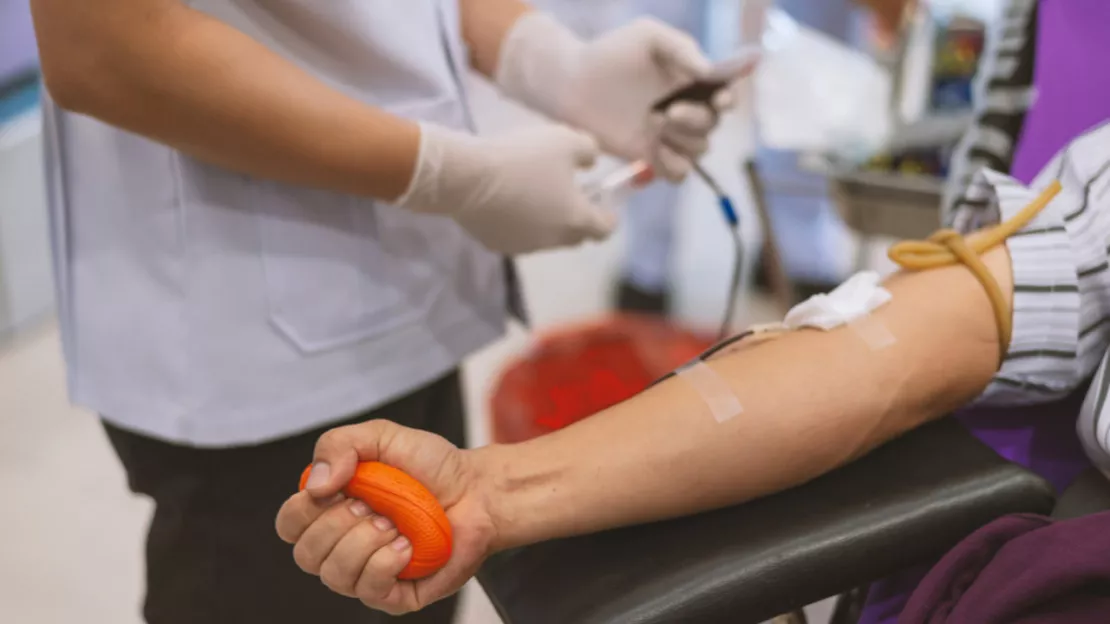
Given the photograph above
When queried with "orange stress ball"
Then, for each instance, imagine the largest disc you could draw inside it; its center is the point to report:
(412, 509)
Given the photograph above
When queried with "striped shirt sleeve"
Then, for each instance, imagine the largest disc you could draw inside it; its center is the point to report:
(1060, 266)
(1003, 95)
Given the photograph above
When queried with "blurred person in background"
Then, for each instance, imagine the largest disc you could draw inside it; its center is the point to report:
(648, 215)
(270, 218)
(649, 219)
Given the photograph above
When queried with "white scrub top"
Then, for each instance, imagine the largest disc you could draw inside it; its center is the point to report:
(589, 18)
(211, 308)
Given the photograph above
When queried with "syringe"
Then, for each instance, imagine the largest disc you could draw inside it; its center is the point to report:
(617, 186)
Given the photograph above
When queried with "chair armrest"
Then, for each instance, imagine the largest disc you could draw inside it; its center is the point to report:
(906, 503)
(1089, 494)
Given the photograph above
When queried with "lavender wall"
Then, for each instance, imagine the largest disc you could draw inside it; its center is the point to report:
(17, 41)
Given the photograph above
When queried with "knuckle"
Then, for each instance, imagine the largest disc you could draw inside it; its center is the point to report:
(377, 604)
(332, 438)
(369, 601)
(306, 559)
(337, 579)
(387, 563)
(376, 426)
(304, 514)
(285, 523)
(377, 537)
(381, 564)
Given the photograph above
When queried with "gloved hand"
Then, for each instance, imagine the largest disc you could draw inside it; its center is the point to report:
(514, 194)
(359, 554)
(607, 87)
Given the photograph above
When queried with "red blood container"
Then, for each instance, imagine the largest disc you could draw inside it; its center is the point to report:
(578, 371)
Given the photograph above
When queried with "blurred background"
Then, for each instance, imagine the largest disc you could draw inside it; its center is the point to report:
(840, 144)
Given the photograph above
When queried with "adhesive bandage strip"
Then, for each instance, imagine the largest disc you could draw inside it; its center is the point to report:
(723, 404)
(873, 332)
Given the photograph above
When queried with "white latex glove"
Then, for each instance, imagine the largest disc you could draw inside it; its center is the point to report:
(514, 194)
(607, 87)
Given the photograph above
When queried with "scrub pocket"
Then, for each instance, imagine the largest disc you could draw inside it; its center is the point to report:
(341, 269)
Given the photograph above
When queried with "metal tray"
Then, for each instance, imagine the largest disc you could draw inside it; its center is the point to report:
(886, 204)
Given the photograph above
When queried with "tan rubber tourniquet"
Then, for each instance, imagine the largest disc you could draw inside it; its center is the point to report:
(947, 247)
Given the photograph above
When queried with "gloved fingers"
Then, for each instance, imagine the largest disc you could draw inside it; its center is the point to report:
(591, 223)
(670, 164)
(724, 100)
(686, 146)
(583, 148)
(676, 53)
(694, 118)
(690, 119)
(684, 130)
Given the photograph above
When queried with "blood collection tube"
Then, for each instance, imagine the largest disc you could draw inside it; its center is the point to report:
(615, 188)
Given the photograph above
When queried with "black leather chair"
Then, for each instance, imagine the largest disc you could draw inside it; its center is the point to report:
(905, 504)
(1089, 494)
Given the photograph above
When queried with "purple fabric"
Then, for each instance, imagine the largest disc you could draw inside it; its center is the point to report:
(1039, 437)
(1073, 92)
(1021, 569)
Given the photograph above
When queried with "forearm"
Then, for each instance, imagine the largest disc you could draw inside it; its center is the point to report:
(181, 78)
(485, 23)
(812, 401)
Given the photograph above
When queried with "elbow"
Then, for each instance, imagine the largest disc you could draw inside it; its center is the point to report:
(75, 81)
(96, 60)
(68, 90)
(82, 49)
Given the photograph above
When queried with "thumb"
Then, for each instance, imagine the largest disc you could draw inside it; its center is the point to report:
(678, 54)
(595, 223)
(583, 148)
(338, 453)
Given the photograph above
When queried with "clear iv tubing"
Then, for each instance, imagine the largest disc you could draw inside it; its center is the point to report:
(639, 174)
(728, 210)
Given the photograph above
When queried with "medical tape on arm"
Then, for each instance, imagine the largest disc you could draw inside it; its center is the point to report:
(873, 332)
(713, 389)
(852, 304)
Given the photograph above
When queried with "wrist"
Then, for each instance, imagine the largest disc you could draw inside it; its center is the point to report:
(518, 490)
(406, 161)
(448, 164)
(539, 59)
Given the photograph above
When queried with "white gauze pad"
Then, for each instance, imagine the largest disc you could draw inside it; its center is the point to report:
(850, 304)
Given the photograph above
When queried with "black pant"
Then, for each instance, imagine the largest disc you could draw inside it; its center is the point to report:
(212, 554)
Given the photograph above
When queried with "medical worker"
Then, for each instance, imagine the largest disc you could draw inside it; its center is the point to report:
(650, 219)
(271, 217)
